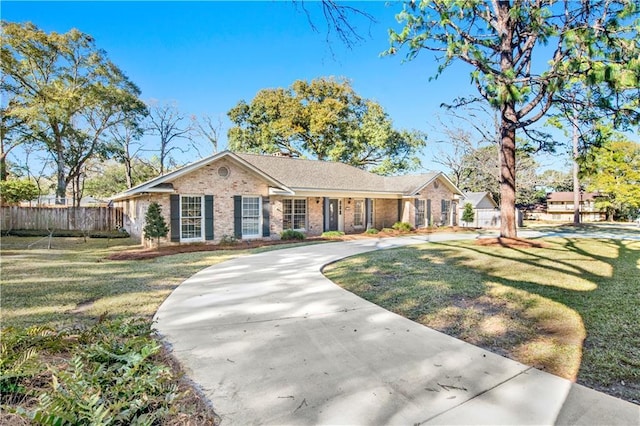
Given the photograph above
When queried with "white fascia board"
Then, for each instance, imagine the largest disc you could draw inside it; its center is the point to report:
(279, 191)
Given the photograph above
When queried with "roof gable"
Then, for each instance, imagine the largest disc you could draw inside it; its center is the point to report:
(476, 198)
(413, 184)
(163, 183)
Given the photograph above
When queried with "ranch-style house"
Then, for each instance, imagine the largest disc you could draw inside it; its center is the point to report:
(248, 196)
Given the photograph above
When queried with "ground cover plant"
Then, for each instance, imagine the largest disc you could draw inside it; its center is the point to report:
(569, 306)
(76, 328)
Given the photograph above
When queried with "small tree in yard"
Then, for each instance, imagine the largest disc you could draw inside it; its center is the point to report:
(14, 191)
(155, 225)
(468, 214)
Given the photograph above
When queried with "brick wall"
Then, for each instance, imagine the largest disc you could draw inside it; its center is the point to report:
(315, 216)
(241, 181)
(386, 213)
(436, 195)
(204, 181)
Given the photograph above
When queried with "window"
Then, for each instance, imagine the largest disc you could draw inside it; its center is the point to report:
(223, 171)
(358, 213)
(446, 207)
(251, 217)
(191, 218)
(294, 214)
(421, 208)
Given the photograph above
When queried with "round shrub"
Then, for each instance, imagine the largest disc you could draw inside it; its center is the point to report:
(290, 234)
(402, 226)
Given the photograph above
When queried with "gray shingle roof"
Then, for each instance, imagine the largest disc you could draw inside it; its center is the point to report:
(409, 184)
(311, 174)
(300, 174)
(474, 197)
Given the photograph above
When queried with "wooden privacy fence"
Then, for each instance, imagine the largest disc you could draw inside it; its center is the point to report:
(61, 218)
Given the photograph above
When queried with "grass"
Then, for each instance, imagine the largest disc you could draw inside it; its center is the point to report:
(54, 302)
(571, 308)
(74, 283)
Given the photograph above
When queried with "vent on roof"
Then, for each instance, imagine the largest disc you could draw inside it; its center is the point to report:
(283, 154)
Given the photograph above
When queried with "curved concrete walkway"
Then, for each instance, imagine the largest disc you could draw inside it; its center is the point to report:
(271, 341)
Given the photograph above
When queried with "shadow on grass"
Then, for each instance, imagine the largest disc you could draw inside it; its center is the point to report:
(571, 309)
(74, 284)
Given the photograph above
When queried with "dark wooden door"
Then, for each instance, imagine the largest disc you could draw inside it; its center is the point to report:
(333, 215)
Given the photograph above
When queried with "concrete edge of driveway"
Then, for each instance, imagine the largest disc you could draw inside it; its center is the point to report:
(270, 340)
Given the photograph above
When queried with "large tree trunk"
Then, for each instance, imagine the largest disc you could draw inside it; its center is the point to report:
(61, 188)
(128, 171)
(508, 172)
(576, 181)
(508, 120)
(3, 166)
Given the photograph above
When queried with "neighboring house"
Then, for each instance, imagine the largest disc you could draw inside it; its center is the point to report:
(249, 196)
(560, 206)
(486, 210)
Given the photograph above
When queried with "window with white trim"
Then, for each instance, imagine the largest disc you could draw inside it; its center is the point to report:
(446, 208)
(294, 214)
(251, 217)
(191, 217)
(421, 209)
(358, 213)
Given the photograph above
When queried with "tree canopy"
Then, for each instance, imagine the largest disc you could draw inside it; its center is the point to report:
(13, 191)
(521, 54)
(67, 94)
(324, 119)
(615, 172)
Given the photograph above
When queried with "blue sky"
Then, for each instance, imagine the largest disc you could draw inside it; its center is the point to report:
(207, 55)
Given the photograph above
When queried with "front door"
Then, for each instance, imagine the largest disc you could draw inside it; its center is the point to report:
(333, 214)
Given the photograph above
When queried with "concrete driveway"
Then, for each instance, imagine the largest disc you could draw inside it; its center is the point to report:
(271, 341)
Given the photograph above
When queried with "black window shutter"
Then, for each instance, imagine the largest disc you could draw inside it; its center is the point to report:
(325, 213)
(367, 212)
(208, 217)
(174, 212)
(237, 216)
(399, 210)
(428, 212)
(265, 217)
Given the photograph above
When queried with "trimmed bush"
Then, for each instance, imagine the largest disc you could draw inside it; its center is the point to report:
(332, 234)
(290, 234)
(402, 226)
(371, 231)
(228, 240)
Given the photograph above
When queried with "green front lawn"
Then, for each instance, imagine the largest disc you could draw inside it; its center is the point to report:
(77, 342)
(572, 308)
